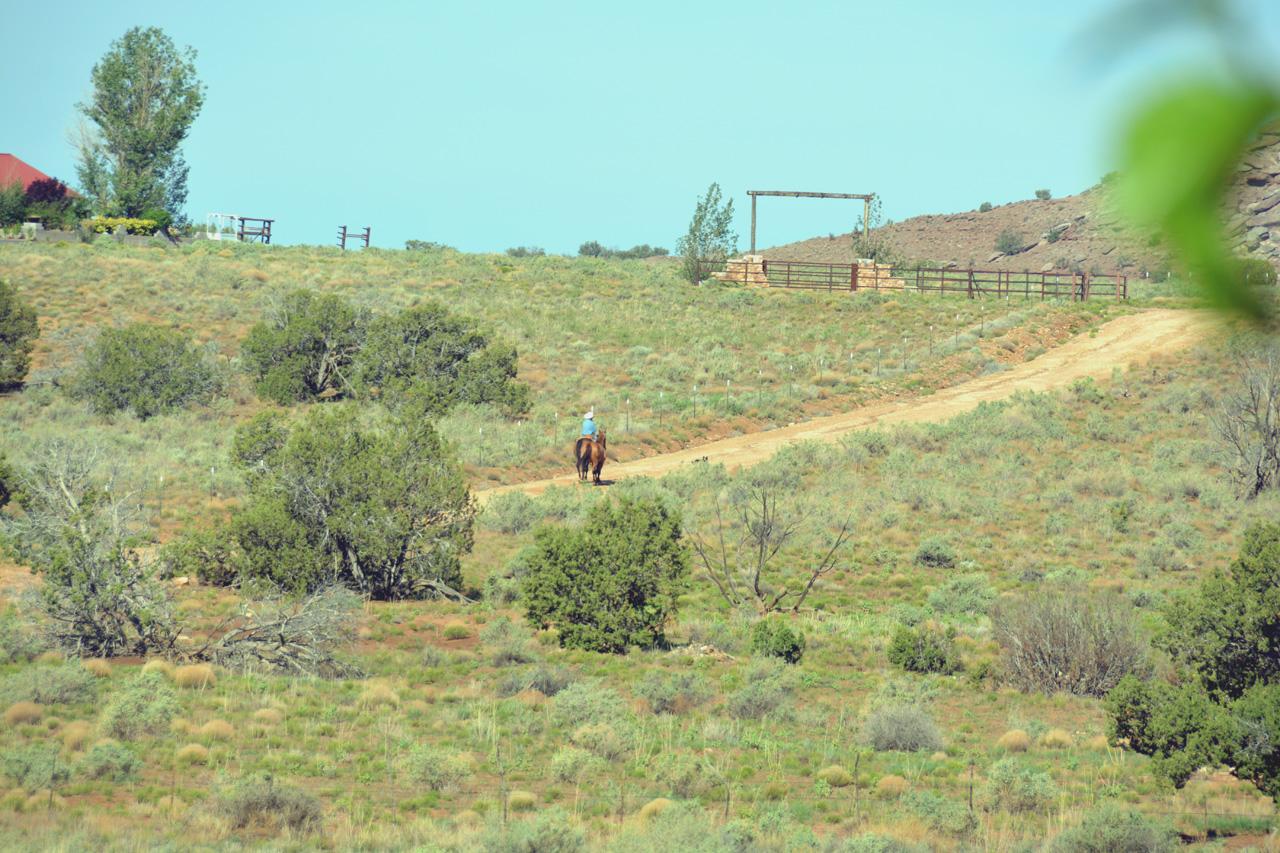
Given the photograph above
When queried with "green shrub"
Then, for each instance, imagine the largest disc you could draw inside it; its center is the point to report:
(1256, 272)
(35, 765)
(144, 706)
(305, 347)
(589, 702)
(162, 218)
(967, 594)
(210, 556)
(677, 693)
(436, 769)
(935, 552)
(572, 765)
(501, 590)
(548, 679)
(110, 761)
(683, 774)
(265, 804)
(1111, 828)
(13, 203)
(109, 224)
(146, 368)
(1015, 788)
(507, 642)
(1009, 242)
(609, 741)
(511, 512)
(551, 831)
(901, 728)
(315, 486)
(925, 650)
(767, 689)
(1066, 641)
(984, 207)
(1044, 195)
(428, 360)
(778, 640)
(49, 685)
(613, 584)
(19, 330)
(18, 639)
(941, 814)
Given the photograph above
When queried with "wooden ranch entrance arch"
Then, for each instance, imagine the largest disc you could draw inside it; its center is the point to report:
(866, 207)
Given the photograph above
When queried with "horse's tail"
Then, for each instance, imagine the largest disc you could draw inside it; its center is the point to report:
(581, 454)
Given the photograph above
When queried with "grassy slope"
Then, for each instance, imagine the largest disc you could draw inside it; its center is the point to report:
(1024, 492)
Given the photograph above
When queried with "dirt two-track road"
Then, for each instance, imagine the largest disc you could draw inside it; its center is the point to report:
(1134, 338)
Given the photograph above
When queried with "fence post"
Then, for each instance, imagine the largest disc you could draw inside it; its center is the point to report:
(853, 276)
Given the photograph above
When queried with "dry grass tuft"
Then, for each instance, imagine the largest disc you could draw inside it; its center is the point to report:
(378, 693)
(268, 717)
(98, 666)
(1057, 739)
(1015, 740)
(181, 726)
(532, 698)
(13, 800)
(522, 801)
(194, 675)
(43, 801)
(158, 665)
(456, 630)
(51, 658)
(217, 730)
(892, 786)
(77, 734)
(653, 808)
(23, 712)
(418, 707)
(836, 776)
(192, 753)
(1097, 743)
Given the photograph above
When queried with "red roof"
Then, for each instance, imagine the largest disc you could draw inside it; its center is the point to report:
(11, 169)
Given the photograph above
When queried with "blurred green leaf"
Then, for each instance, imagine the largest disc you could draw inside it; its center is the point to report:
(1180, 152)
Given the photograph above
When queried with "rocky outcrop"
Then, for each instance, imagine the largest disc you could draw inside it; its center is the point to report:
(1253, 205)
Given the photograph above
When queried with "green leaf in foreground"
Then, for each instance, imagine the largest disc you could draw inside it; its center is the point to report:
(1179, 154)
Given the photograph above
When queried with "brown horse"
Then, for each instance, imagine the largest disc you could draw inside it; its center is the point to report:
(589, 456)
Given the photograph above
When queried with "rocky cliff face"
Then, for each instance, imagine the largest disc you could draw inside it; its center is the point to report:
(1253, 205)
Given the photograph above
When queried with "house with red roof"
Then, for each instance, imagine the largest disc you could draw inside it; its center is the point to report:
(12, 169)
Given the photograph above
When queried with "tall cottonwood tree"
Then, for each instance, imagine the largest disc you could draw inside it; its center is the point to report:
(144, 98)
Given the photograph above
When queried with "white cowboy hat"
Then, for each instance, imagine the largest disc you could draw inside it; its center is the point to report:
(590, 415)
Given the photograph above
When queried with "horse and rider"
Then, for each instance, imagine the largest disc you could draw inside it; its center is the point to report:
(589, 451)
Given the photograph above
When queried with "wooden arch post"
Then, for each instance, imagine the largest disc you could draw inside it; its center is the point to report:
(866, 207)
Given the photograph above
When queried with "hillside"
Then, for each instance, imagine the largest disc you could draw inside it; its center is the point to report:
(1076, 232)
(469, 728)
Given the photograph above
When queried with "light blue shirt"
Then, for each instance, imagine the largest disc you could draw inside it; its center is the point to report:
(589, 427)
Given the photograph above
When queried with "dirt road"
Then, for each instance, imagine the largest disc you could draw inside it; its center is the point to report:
(1128, 339)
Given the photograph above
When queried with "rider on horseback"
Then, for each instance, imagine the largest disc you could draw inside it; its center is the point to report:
(589, 428)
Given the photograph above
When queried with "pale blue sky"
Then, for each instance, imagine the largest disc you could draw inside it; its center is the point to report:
(488, 125)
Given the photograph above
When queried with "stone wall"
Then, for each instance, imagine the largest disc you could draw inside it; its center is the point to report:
(750, 270)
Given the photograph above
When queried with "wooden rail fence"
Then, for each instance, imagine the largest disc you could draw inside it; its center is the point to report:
(974, 284)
